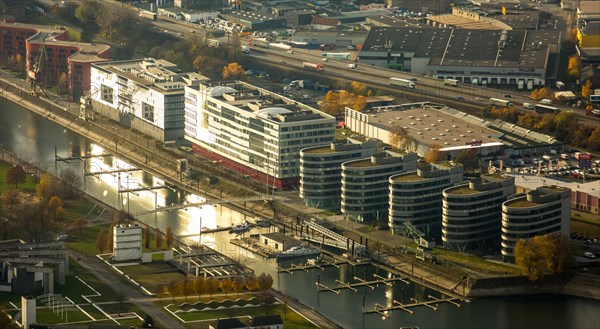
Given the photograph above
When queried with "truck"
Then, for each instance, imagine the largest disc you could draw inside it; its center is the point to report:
(313, 66)
(277, 45)
(149, 15)
(264, 43)
(546, 101)
(245, 49)
(402, 83)
(541, 108)
(500, 102)
(336, 55)
(351, 66)
(451, 82)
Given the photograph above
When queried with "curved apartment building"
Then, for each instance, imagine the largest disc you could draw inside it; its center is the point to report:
(472, 213)
(365, 184)
(542, 211)
(416, 196)
(321, 170)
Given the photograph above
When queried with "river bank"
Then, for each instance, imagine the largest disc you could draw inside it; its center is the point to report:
(137, 152)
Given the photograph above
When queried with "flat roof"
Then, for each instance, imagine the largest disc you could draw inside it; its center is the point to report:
(429, 125)
(484, 23)
(531, 182)
(393, 21)
(521, 202)
(280, 237)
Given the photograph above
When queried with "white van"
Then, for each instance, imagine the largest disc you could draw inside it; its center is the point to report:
(351, 66)
(547, 157)
(546, 101)
(528, 105)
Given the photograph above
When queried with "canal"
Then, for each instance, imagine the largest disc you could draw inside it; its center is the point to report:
(35, 138)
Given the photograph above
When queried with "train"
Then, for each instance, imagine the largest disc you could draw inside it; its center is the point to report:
(500, 102)
(402, 83)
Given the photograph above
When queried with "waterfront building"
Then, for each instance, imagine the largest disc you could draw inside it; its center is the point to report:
(321, 170)
(472, 213)
(254, 131)
(365, 185)
(146, 94)
(416, 196)
(59, 54)
(542, 211)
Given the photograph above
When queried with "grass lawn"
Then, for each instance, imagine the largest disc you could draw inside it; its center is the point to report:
(45, 315)
(152, 274)
(85, 243)
(75, 208)
(474, 262)
(29, 180)
(6, 298)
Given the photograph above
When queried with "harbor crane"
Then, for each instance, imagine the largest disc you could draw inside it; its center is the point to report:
(424, 243)
(36, 74)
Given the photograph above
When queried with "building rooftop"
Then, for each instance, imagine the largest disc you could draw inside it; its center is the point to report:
(521, 202)
(265, 104)
(408, 177)
(530, 182)
(589, 9)
(483, 23)
(393, 21)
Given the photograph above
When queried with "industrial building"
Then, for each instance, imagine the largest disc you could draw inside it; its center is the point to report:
(542, 211)
(416, 196)
(254, 131)
(588, 34)
(145, 94)
(50, 46)
(472, 213)
(451, 129)
(321, 170)
(482, 57)
(252, 21)
(365, 185)
(339, 38)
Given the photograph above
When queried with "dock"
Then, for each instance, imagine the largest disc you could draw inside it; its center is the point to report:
(360, 283)
(396, 305)
(321, 266)
(253, 245)
(214, 230)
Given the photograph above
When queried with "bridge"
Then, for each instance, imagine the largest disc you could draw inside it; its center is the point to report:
(203, 203)
(332, 238)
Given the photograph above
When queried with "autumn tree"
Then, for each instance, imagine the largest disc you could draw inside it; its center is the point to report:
(197, 63)
(528, 119)
(335, 102)
(594, 140)
(199, 286)
(101, 241)
(543, 253)
(400, 138)
(468, 159)
(47, 187)
(182, 287)
(15, 175)
(212, 285)
(158, 240)
(147, 237)
(251, 283)
(169, 238)
(586, 89)
(63, 83)
(264, 282)
(234, 71)
(160, 292)
(19, 63)
(573, 66)
(11, 200)
(71, 182)
(572, 35)
(358, 88)
(434, 154)
(110, 237)
(79, 224)
(54, 209)
(237, 284)
(225, 285)
(173, 289)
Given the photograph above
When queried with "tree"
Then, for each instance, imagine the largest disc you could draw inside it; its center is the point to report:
(560, 251)
(47, 187)
(15, 175)
(169, 238)
(235, 46)
(197, 63)
(63, 83)
(212, 285)
(468, 159)
(11, 199)
(572, 35)
(359, 103)
(182, 286)
(434, 154)
(88, 13)
(80, 223)
(199, 286)
(530, 259)
(173, 289)
(358, 88)
(251, 283)
(225, 285)
(237, 284)
(160, 292)
(101, 241)
(54, 209)
(19, 63)
(594, 140)
(586, 89)
(147, 237)
(158, 239)
(110, 237)
(573, 66)
(71, 182)
(234, 71)
(264, 282)
(400, 138)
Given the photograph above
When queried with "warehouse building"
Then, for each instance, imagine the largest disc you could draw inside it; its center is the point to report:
(252, 21)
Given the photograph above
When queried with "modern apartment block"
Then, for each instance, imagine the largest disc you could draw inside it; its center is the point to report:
(416, 196)
(59, 55)
(365, 183)
(254, 131)
(542, 211)
(146, 94)
(321, 170)
(472, 213)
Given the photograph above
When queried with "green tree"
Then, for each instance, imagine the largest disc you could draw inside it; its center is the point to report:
(468, 159)
(88, 13)
(101, 241)
(15, 175)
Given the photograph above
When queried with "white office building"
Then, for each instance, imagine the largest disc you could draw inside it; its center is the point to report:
(145, 94)
(254, 131)
(127, 242)
(542, 211)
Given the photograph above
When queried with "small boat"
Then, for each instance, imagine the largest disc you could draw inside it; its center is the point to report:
(298, 251)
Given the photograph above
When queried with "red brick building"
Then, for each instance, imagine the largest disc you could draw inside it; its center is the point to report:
(62, 55)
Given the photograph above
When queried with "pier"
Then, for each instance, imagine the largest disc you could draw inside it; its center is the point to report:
(361, 283)
(321, 266)
(396, 305)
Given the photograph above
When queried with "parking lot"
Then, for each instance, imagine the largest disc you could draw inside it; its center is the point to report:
(562, 165)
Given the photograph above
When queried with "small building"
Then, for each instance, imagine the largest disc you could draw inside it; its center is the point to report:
(542, 211)
(231, 323)
(253, 21)
(278, 241)
(472, 213)
(266, 322)
(127, 242)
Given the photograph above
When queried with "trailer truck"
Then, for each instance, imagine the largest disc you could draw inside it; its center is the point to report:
(402, 83)
(500, 102)
(313, 66)
(451, 82)
(264, 43)
(336, 55)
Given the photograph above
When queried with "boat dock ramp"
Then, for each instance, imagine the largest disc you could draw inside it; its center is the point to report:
(396, 305)
(360, 283)
(255, 246)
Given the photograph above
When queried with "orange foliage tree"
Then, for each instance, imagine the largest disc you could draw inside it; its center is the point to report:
(573, 67)
(234, 71)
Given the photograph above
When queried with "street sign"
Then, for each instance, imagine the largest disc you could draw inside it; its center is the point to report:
(585, 160)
